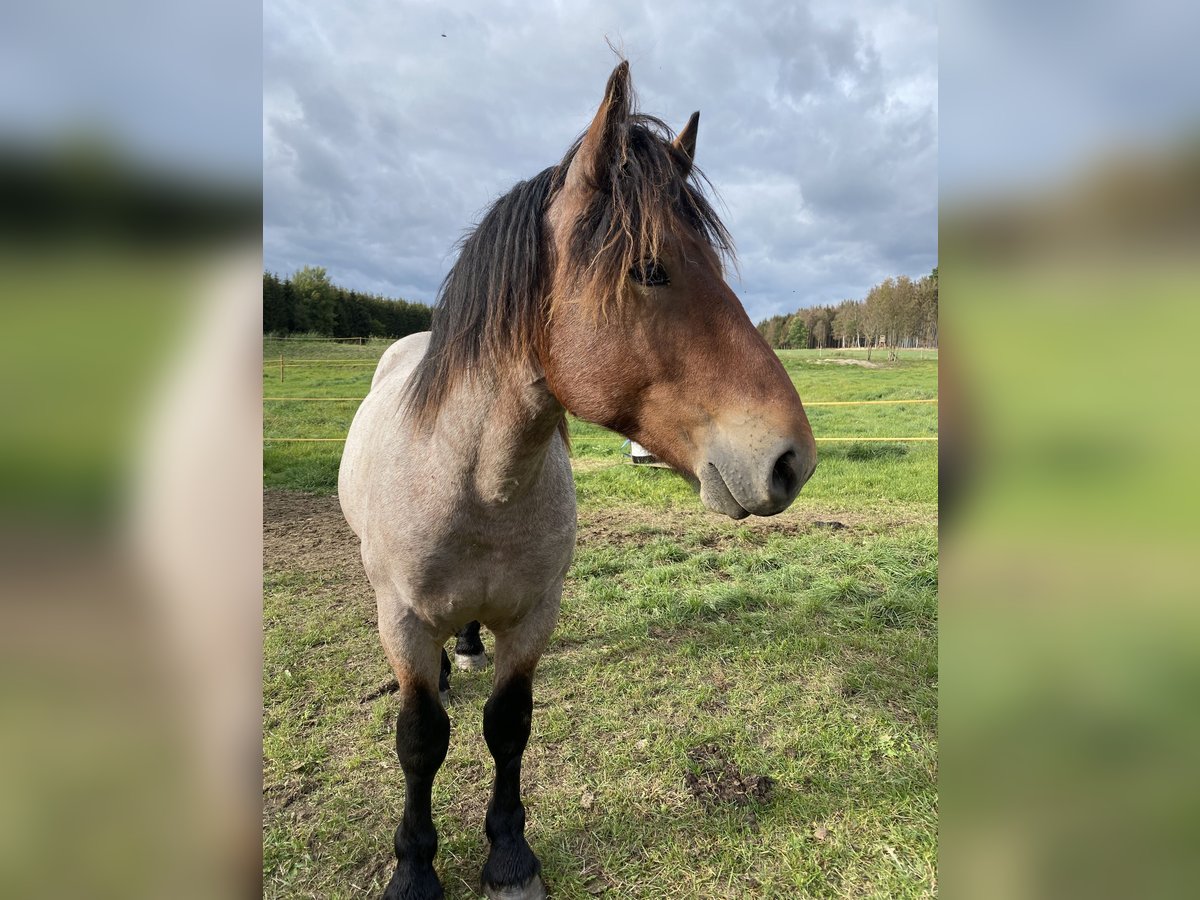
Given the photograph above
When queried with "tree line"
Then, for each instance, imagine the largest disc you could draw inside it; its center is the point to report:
(308, 302)
(897, 312)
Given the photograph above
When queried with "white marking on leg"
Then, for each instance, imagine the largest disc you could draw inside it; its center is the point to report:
(471, 663)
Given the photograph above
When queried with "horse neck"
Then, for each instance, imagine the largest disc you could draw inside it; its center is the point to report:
(511, 420)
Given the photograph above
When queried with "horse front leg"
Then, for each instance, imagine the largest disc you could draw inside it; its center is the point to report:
(512, 871)
(422, 739)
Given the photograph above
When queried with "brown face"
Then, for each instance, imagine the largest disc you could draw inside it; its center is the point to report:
(677, 365)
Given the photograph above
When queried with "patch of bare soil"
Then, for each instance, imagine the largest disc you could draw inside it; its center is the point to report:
(640, 526)
(306, 532)
(719, 782)
(866, 364)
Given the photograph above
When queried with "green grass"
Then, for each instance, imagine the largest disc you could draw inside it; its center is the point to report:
(789, 648)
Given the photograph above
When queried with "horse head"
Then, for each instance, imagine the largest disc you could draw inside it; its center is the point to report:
(643, 334)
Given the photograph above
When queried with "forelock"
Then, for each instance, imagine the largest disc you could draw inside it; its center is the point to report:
(641, 203)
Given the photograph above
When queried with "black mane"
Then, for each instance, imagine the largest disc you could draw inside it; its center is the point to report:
(490, 304)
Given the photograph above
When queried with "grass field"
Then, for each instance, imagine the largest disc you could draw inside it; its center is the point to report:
(728, 709)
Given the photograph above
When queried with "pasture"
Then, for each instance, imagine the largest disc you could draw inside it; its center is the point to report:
(727, 709)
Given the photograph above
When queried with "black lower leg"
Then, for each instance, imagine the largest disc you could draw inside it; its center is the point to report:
(506, 723)
(422, 738)
(468, 643)
(444, 677)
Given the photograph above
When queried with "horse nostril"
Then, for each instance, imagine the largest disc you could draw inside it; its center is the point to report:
(785, 480)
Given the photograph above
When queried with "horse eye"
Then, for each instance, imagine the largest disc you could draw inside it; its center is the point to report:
(650, 273)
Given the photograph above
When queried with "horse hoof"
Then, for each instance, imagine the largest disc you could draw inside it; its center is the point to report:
(414, 885)
(470, 663)
(533, 889)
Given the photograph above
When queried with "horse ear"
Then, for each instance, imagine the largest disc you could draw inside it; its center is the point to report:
(604, 136)
(685, 141)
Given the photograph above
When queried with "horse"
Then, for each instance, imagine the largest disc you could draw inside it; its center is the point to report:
(596, 288)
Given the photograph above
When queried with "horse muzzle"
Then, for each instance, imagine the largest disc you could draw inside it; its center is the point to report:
(755, 477)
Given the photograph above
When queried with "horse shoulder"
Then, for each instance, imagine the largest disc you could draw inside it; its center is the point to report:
(373, 414)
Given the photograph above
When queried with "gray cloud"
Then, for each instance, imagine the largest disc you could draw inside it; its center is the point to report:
(383, 140)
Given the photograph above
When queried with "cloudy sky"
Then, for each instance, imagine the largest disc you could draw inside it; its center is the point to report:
(389, 127)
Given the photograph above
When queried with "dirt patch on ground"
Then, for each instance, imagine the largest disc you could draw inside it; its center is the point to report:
(866, 364)
(307, 533)
(718, 781)
(641, 526)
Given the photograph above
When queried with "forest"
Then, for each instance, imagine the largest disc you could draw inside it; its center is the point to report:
(308, 302)
(897, 312)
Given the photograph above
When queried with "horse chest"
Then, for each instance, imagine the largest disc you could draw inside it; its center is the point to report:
(485, 564)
